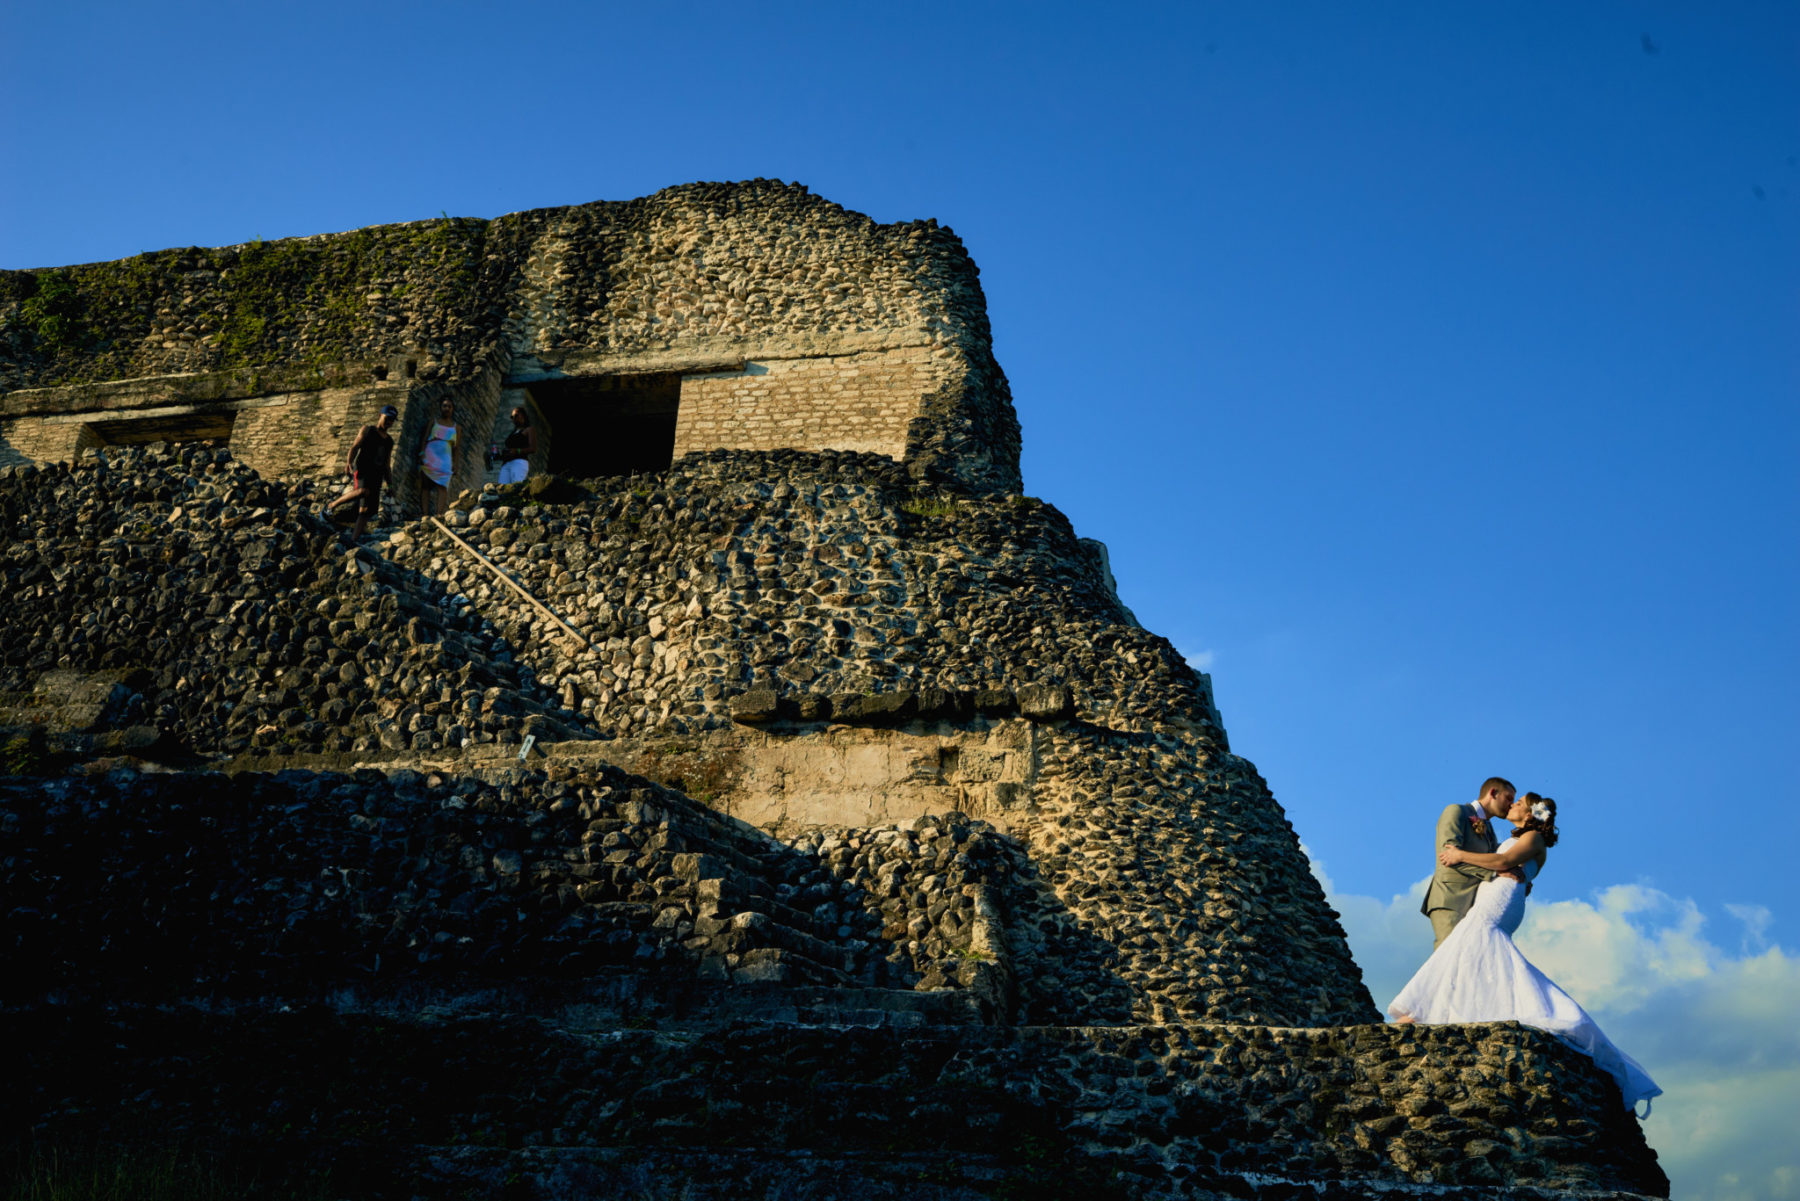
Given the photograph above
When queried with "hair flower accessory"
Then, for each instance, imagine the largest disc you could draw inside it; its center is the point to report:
(1541, 811)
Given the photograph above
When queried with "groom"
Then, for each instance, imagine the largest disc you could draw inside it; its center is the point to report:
(1467, 828)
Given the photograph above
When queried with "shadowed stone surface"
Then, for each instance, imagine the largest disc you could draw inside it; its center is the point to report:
(467, 1101)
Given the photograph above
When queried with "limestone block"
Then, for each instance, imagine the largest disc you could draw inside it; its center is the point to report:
(1044, 702)
(755, 707)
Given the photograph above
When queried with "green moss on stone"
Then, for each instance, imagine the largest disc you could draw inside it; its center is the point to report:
(53, 313)
(293, 302)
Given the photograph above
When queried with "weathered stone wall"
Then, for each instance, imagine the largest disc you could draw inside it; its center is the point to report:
(588, 895)
(1169, 884)
(697, 276)
(1179, 860)
(290, 424)
(287, 435)
(468, 1105)
(365, 297)
(1152, 877)
(763, 264)
(1175, 887)
(806, 574)
(510, 878)
(255, 626)
(864, 402)
(1157, 884)
(40, 440)
(859, 775)
(298, 436)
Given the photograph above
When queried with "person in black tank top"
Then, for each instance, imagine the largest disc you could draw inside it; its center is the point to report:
(521, 444)
(368, 464)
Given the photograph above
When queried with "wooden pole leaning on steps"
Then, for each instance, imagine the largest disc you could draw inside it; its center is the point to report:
(513, 584)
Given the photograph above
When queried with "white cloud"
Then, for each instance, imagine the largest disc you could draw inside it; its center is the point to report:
(1756, 919)
(1715, 1021)
(1202, 661)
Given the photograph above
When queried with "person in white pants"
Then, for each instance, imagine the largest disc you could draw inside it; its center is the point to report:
(521, 444)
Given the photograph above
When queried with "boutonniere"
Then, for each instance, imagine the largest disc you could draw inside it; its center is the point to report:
(1479, 826)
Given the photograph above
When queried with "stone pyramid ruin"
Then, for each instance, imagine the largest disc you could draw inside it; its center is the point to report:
(765, 799)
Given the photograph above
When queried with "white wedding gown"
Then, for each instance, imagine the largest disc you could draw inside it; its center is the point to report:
(1478, 975)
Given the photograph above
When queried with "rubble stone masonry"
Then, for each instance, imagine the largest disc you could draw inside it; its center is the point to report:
(871, 336)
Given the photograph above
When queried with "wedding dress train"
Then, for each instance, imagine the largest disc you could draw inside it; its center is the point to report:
(1479, 975)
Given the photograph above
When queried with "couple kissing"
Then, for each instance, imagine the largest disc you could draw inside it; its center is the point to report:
(1475, 901)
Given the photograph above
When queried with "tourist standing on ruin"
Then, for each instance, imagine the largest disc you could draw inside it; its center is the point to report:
(437, 460)
(369, 462)
(521, 444)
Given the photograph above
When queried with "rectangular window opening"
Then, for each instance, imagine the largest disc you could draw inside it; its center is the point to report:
(185, 427)
(608, 424)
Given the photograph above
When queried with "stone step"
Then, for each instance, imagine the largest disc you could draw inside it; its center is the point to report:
(845, 1005)
(780, 912)
(750, 932)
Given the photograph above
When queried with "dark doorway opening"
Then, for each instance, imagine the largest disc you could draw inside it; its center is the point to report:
(213, 426)
(609, 424)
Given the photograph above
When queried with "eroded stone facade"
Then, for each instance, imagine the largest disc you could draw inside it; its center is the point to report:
(791, 322)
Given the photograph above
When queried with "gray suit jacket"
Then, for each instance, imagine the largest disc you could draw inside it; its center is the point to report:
(1453, 888)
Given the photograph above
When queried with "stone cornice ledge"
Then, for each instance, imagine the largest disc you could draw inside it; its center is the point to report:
(714, 353)
(196, 387)
(688, 356)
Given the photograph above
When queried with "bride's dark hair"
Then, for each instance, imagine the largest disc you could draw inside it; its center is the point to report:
(1547, 827)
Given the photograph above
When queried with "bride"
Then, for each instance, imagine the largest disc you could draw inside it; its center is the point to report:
(1478, 975)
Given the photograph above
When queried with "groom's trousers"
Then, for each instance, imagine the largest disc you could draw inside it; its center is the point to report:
(1442, 922)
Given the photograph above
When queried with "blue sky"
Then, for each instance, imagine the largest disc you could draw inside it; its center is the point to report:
(1429, 369)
